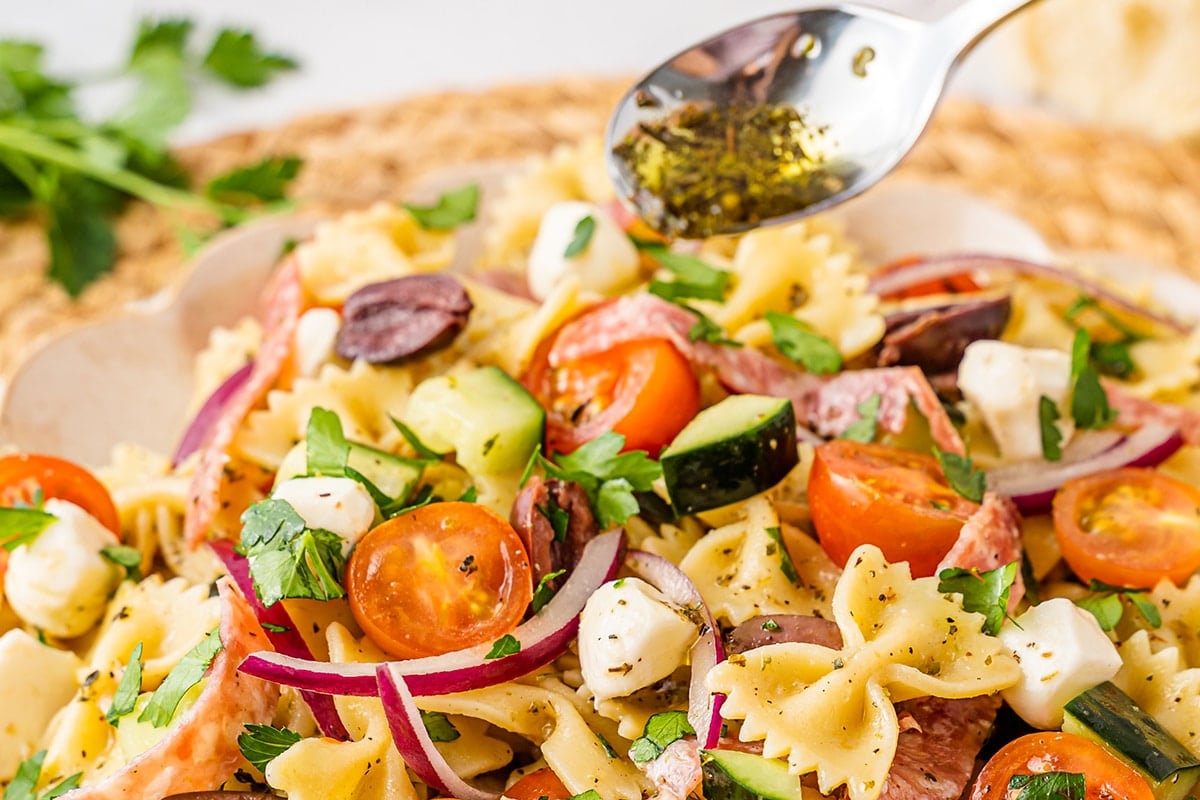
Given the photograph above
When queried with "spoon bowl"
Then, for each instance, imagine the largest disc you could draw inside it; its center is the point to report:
(867, 79)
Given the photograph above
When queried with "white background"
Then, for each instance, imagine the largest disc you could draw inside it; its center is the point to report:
(361, 51)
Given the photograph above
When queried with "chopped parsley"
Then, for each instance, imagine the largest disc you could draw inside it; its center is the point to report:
(423, 451)
(20, 526)
(1089, 403)
(543, 593)
(866, 426)
(1051, 435)
(1107, 604)
(609, 476)
(182, 677)
(29, 773)
(128, 689)
(771, 626)
(439, 727)
(451, 209)
(796, 340)
(785, 559)
(984, 593)
(1050, 786)
(325, 445)
(267, 182)
(692, 278)
(961, 474)
(130, 558)
(287, 558)
(662, 730)
(506, 645)
(582, 237)
(705, 329)
(262, 743)
(558, 517)
(271, 627)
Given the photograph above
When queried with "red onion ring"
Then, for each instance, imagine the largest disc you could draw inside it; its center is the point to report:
(543, 638)
(1032, 486)
(208, 414)
(940, 267)
(704, 707)
(288, 641)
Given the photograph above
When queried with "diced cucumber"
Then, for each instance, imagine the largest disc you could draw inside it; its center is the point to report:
(739, 447)
(1109, 717)
(135, 738)
(394, 475)
(488, 419)
(734, 775)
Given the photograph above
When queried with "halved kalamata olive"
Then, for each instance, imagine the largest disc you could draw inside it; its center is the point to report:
(934, 338)
(776, 628)
(552, 549)
(403, 318)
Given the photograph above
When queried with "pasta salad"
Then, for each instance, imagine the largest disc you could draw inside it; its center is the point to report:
(605, 517)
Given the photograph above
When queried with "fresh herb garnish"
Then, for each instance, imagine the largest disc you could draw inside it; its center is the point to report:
(661, 731)
(271, 627)
(325, 445)
(264, 182)
(961, 474)
(128, 688)
(506, 645)
(609, 476)
(797, 341)
(238, 59)
(785, 559)
(262, 743)
(692, 277)
(706, 329)
(422, 450)
(451, 209)
(20, 526)
(582, 237)
(439, 727)
(543, 593)
(1051, 435)
(27, 776)
(1050, 786)
(771, 626)
(288, 559)
(984, 593)
(1107, 604)
(866, 426)
(183, 676)
(557, 516)
(1089, 403)
(130, 558)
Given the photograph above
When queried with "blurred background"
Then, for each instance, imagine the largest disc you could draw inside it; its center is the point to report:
(1126, 63)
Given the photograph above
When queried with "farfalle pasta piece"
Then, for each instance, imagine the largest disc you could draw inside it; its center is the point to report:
(1179, 608)
(1167, 367)
(1163, 686)
(509, 329)
(739, 570)
(364, 247)
(831, 711)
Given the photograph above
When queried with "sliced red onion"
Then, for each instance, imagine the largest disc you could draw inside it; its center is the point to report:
(281, 631)
(704, 707)
(1032, 486)
(193, 437)
(543, 638)
(413, 741)
(940, 267)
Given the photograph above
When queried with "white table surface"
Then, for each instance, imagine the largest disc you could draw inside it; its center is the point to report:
(362, 51)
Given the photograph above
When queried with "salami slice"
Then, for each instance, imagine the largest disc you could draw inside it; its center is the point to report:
(990, 538)
(1133, 411)
(935, 756)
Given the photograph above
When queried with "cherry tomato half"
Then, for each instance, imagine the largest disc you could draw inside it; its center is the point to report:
(644, 390)
(23, 475)
(1106, 776)
(895, 499)
(441, 577)
(1129, 527)
(539, 784)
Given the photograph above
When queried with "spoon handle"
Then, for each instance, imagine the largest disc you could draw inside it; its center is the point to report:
(961, 28)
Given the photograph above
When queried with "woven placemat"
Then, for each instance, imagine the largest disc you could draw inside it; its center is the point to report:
(1082, 189)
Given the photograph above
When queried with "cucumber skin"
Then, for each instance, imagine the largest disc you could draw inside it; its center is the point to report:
(733, 469)
(726, 776)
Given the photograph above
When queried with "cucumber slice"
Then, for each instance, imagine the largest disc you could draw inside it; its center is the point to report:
(491, 422)
(734, 775)
(1109, 717)
(739, 447)
(393, 475)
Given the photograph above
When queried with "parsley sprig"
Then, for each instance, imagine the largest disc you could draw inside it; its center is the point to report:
(287, 558)
(1107, 604)
(183, 676)
(452, 209)
(260, 744)
(609, 476)
(439, 727)
(961, 474)
(796, 340)
(1050, 786)
(692, 279)
(661, 730)
(20, 526)
(866, 426)
(1089, 402)
(984, 593)
(29, 773)
(128, 688)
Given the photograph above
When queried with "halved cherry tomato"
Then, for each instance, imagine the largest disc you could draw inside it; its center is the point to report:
(23, 475)
(539, 784)
(441, 577)
(1106, 777)
(644, 390)
(1129, 527)
(895, 499)
(951, 284)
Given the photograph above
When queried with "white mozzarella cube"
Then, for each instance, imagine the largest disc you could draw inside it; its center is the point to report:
(1062, 651)
(630, 636)
(339, 505)
(60, 582)
(36, 680)
(1006, 382)
(608, 263)
(316, 333)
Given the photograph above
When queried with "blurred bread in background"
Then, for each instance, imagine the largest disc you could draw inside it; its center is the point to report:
(1132, 64)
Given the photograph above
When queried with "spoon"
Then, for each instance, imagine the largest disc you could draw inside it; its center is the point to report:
(864, 81)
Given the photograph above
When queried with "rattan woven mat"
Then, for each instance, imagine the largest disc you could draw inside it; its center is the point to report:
(1083, 189)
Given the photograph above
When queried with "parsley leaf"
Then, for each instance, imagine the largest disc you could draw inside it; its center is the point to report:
(262, 743)
(422, 450)
(693, 278)
(984, 593)
(20, 526)
(451, 209)
(584, 229)
(506, 645)
(797, 341)
(1050, 786)
(557, 516)
(609, 476)
(125, 556)
(439, 727)
(1051, 435)
(237, 58)
(705, 329)
(1089, 403)
(1107, 604)
(544, 593)
(128, 689)
(590, 794)
(961, 474)
(866, 426)
(1107, 608)
(264, 182)
(82, 244)
(183, 676)
(661, 731)
(786, 565)
(288, 559)
(156, 36)
(325, 445)
(271, 627)
(25, 781)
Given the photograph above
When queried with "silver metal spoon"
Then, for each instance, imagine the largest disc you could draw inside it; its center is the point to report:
(869, 79)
